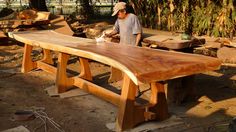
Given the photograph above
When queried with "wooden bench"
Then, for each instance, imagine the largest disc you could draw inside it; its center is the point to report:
(139, 65)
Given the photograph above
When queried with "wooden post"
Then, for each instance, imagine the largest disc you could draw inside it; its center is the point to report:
(116, 75)
(125, 117)
(158, 99)
(62, 81)
(47, 58)
(27, 63)
(181, 90)
(188, 84)
(85, 72)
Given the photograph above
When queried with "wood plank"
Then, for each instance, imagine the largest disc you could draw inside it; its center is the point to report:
(52, 91)
(97, 90)
(59, 24)
(46, 67)
(173, 42)
(142, 65)
(73, 93)
(17, 129)
(41, 18)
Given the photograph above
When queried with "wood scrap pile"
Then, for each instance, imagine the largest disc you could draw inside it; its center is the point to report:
(20, 20)
(83, 28)
(222, 48)
(91, 30)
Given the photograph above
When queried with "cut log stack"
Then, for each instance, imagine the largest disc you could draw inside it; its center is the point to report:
(222, 48)
(24, 20)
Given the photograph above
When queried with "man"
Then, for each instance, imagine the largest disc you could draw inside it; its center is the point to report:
(127, 25)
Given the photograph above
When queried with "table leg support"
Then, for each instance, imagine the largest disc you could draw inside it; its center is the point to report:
(125, 117)
(63, 83)
(116, 75)
(158, 100)
(85, 72)
(47, 57)
(27, 63)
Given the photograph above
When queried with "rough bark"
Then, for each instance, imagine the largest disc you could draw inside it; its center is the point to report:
(39, 5)
(86, 9)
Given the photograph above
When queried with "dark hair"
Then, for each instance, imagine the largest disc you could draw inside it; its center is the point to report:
(122, 10)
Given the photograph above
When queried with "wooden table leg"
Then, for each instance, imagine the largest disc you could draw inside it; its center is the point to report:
(85, 72)
(116, 75)
(181, 90)
(62, 81)
(27, 63)
(158, 99)
(188, 84)
(125, 117)
(47, 57)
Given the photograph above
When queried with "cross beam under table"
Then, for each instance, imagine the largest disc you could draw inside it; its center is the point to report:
(130, 113)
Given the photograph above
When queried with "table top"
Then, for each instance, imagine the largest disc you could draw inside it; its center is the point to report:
(142, 65)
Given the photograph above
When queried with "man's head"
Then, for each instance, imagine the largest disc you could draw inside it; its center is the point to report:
(120, 10)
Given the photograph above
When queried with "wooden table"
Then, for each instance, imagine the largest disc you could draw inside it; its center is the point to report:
(139, 65)
(173, 42)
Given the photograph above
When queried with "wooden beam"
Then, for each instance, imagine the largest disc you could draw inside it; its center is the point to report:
(46, 67)
(97, 90)
(27, 63)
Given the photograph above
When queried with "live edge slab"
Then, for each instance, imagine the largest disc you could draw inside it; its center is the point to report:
(139, 65)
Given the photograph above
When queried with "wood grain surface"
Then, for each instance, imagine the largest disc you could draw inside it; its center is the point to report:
(142, 65)
(173, 42)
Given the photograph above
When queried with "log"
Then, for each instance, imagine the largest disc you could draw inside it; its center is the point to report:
(227, 55)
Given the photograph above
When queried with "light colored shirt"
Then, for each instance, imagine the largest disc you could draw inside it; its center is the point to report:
(128, 29)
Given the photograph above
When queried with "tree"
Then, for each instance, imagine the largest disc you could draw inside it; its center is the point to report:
(39, 5)
(8, 3)
(86, 8)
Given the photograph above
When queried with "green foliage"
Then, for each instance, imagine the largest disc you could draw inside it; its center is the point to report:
(8, 3)
(202, 17)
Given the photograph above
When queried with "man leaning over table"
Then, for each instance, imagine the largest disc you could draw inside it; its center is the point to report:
(127, 25)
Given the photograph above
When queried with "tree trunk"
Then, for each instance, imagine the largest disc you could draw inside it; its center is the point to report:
(39, 5)
(189, 27)
(86, 9)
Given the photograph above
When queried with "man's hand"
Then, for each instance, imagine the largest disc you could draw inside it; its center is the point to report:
(111, 34)
(108, 35)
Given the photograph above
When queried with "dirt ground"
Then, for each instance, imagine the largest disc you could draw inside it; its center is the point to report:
(211, 112)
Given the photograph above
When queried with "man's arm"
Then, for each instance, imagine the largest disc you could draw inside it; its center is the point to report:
(114, 32)
(138, 38)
